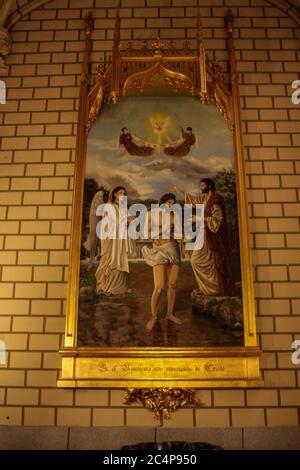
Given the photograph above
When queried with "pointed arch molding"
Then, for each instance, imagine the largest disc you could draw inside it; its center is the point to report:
(139, 79)
(288, 7)
(23, 11)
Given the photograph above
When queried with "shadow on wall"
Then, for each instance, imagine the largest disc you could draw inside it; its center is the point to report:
(174, 446)
(116, 438)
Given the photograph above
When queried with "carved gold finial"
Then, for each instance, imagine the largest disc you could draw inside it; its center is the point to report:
(100, 69)
(117, 29)
(162, 401)
(229, 22)
(172, 45)
(158, 46)
(201, 59)
(199, 25)
(187, 46)
(89, 24)
(115, 76)
(217, 68)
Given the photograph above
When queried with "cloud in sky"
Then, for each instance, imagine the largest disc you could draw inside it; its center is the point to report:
(149, 177)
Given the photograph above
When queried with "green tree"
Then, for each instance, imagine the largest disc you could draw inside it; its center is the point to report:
(90, 189)
(225, 182)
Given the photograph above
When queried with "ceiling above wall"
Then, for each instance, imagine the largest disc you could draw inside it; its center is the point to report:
(20, 8)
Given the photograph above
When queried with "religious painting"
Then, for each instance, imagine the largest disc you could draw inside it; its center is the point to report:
(160, 292)
(142, 292)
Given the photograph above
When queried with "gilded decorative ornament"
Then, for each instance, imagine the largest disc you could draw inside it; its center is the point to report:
(181, 69)
(89, 24)
(196, 75)
(158, 46)
(162, 401)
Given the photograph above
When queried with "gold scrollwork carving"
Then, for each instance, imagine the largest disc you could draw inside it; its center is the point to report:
(186, 71)
(176, 80)
(162, 401)
(183, 70)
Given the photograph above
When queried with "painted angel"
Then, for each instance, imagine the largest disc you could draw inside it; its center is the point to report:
(183, 147)
(93, 241)
(132, 148)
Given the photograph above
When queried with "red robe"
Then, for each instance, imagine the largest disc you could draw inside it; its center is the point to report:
(132, 148)
(183, 149)
(219, 244)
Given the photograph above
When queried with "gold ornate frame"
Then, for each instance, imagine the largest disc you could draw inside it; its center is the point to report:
(189, 73)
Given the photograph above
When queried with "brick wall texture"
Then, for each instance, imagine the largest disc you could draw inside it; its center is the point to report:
(38, 135)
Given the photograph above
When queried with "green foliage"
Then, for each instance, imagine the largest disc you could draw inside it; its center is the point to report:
(225, 182)
(90, 189)
(88, 280)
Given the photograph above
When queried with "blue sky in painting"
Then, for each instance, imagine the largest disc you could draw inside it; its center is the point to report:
(150, 177)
